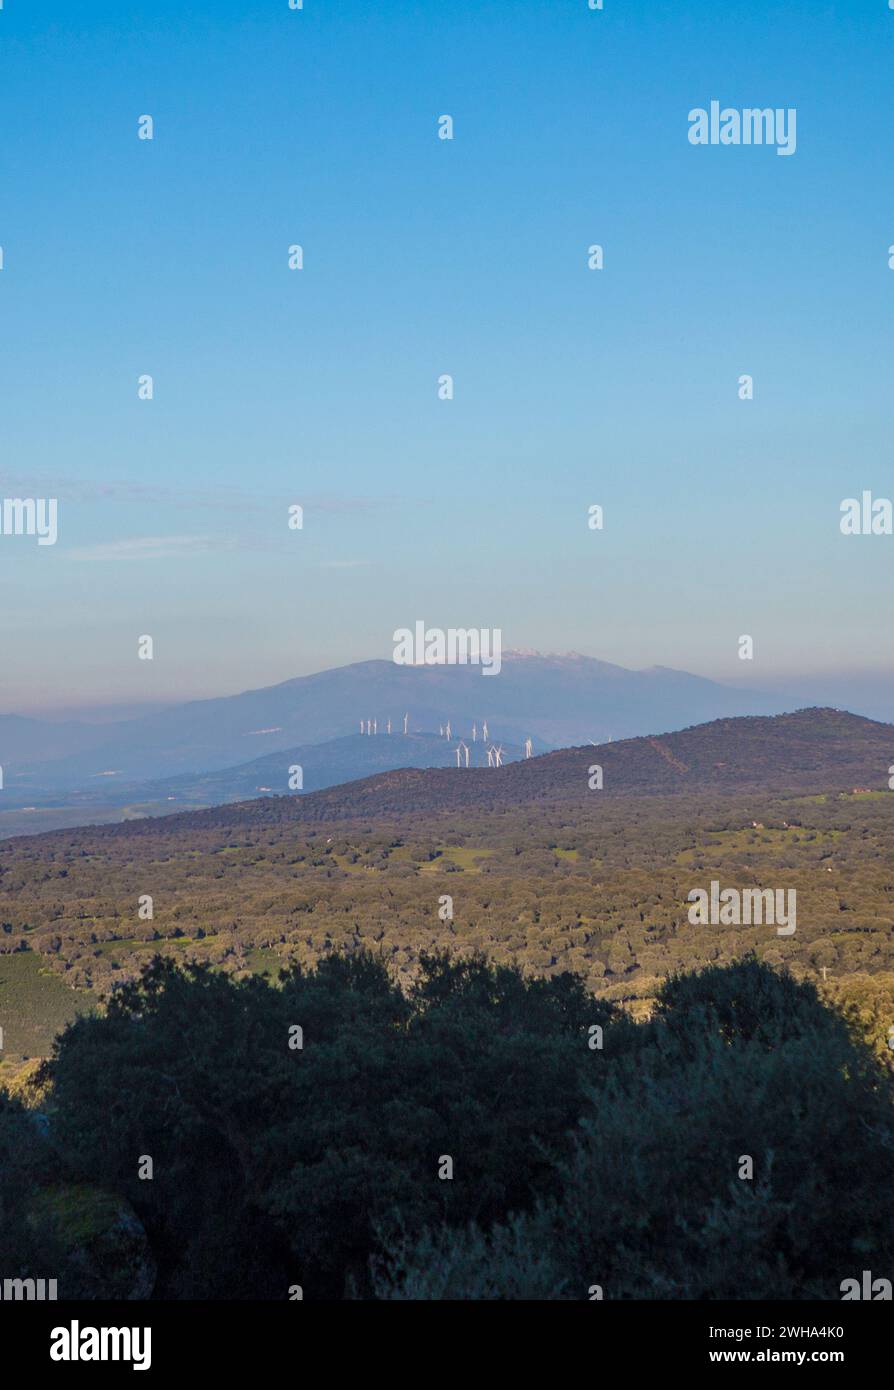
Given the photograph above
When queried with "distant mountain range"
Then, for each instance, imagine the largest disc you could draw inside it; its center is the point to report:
(809, 750)
(558, 700)
(813, 750)
(322, 765)
(210, 752)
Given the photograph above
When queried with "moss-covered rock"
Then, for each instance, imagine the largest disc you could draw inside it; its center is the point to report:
(107, 1253)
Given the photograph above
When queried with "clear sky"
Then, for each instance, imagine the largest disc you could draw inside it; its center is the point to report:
(421, 257)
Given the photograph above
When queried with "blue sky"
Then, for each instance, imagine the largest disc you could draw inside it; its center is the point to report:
(424, 257)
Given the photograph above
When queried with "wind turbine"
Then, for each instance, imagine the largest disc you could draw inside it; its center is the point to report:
(498, 756)
(465, 747)
(361, 726)
(474, 733)
(484, 731)
(457, 755)
(490, 757)
(406, 717)
(449, 735)
(441, 730)
(529, 748)
(389, 726)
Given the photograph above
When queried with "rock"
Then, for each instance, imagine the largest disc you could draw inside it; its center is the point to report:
(106, 1248)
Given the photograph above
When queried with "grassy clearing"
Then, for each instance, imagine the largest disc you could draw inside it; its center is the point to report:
(759, 840)
(34, 1005)
(461, 855)
(343, 861)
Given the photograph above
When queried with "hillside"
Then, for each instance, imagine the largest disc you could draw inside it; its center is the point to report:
(541, 871)
(107, 800)
(556, 700)
(810, 750)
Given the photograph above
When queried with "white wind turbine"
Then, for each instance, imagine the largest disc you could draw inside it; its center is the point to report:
(498, 756)
(474, 733)
(484, 734)
(457, 755)
(490, 757)
(449, 734)
(465, 748)
(389, 726)
(375, 726)
(406, 717)
(529, 748)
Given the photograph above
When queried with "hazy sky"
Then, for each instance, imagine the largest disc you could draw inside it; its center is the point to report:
(425, 256)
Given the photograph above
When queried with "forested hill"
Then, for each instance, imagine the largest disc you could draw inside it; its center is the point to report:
(810, 750)
(544, 872)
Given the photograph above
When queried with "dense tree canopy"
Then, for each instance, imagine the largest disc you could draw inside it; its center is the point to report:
(480, 1134)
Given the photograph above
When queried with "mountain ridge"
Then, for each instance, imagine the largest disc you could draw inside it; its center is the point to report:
(558, 701)
(810, 750)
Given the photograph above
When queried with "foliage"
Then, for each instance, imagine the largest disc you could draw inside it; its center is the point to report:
(740, 1063)
(272, 1165)
(573, 1165)
(599, 889)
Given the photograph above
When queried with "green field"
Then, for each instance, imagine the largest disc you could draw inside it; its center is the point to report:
(460, 856)
(34, 1005)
